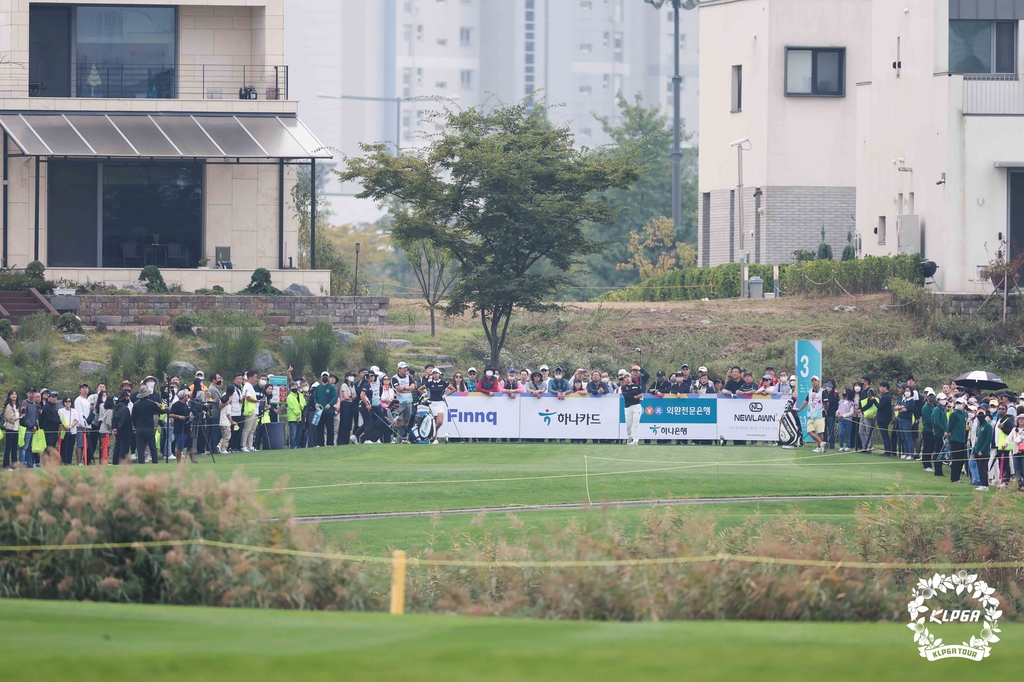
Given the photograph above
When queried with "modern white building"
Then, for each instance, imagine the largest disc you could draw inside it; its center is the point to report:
(138, 134)
(374, 70)
(900, 121)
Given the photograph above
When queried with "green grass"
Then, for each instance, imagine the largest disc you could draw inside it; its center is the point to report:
(108, 643)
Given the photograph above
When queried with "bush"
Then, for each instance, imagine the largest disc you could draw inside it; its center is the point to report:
(154, 280)
(35, 270)
(373, 351)
(6, 329)
(233, 349)
(183, 324)
(69, 324)
(322, 347)
(834, 278)
(162, 350)
(687, 284)
(296, 355)
(128, 356)
(35, 326)
(260, 284)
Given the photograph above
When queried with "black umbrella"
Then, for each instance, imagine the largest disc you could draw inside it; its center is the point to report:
(986, 381)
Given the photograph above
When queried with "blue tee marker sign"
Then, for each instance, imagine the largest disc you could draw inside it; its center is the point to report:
(808, 364)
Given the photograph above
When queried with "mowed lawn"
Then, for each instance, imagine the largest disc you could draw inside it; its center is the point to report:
(111, 642)
(383, 478)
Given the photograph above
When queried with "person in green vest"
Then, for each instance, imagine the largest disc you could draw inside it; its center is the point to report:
(939, 424)
(956, 431)
(326, 395)
(982, 448)
(295, 404)
(927, 442)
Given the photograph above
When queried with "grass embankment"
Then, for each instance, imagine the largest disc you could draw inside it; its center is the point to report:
(108, 643)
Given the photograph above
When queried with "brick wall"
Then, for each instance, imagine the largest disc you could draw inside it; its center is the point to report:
(303, 310)
(966, 305)
(792, 219)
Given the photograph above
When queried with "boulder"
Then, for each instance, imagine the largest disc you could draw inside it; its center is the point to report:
(5, 348)
(180, 369)
(135, 288)
(206, 349)
(298, 290)
(264, 361)
(397, 344)
(33, 349)
(109, 320)
(76, 338)
(87, 367)
(446, 359)
(287, 341)
(344, 336)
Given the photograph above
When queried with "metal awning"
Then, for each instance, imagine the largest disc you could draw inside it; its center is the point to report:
(162, 135)
(1009, 164)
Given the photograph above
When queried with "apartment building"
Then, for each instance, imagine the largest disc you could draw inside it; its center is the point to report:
(901, 123)
(138, 134)
(374, 70)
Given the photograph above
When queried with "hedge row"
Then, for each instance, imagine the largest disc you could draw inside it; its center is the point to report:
(809, 278)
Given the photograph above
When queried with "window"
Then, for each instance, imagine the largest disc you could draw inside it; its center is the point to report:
(407, 6)
(880, 230)
(419, 76)
(406, 82)
(465, 36)
(982, 46)
(737, 89)
(618, 46)
(815, 72)
(466, 79)
(441, 85)
(606, 81)
(607, 38)
(443, 42)
(585, 90)
(407, 125)
(586, 48)
(618, 82)
(586, 5)
(118, 51)
(407, 33)
(419, 32)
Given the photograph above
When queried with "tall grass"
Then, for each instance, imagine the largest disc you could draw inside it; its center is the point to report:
(162, 350)
(373, 350)
(233, 349)
(129, 356)
(323, 348)
(296, 355)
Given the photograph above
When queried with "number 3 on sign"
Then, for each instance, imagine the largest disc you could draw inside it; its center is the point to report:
(805, 369)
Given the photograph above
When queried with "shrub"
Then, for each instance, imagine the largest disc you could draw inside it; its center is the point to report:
(162, 349)
(35, 270)
(322, 347)
(6, 330)
(128, 356)
(233, 349)
(183, 324)
(34, 326)
(260, 284)
(69, 324)
(154, 280)
(722, 281)
(834, 278)
(296, 355)
(373, 351)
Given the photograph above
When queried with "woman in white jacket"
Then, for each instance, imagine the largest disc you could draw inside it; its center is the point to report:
(1015, 443)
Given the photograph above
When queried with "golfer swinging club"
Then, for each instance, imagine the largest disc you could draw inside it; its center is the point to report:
(435, 386)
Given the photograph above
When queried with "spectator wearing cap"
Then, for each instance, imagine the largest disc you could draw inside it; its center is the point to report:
(814, 401)
(29, 412)
(348, 405)
(905, 420)
(770, 371)
(747, 387)
(956, 431)
(326, 397)
(295, 405)
(685, 381)
(867, 410)
(471, 379)
(545, 375)
(918, 406)
(765, 386)
(404, 386)
(662, 386)
(489, 383)
(928, 400)
(510, 384)
(719, 385)
(558, 384)
(940, 423)
(883, 420)
(537, 385)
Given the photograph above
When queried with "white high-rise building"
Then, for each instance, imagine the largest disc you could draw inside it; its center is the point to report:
(374, 70)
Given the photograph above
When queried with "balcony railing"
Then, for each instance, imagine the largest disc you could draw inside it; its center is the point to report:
(993, 94)
(151, 81)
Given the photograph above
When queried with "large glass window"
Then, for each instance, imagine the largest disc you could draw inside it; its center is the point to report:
(982, 46)
(102, 51)
(815, 72)
(140, 213)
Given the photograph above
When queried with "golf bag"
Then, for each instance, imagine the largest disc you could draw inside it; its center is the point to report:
(790, 431)
(421, 430)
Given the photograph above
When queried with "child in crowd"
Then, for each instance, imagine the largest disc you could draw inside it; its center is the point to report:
(845, 414)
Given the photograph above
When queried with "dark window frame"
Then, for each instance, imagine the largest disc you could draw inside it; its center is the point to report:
(815, 51)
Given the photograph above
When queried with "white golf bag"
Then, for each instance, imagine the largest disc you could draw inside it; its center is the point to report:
(790, 431)
(421, 430)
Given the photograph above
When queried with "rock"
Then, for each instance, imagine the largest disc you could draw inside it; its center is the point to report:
(397, 344)
(76, 338)
(844, 308)
(5, 348)
(705, 321)
(109, 320)
(264, 361)
(217, 287)
(287, 341)
(180, 368)
(446, 359)
(135, 288)
(147, 335)
(33, 349)
(206, 349)
(344, 336)
(298, 290)
(86, 367)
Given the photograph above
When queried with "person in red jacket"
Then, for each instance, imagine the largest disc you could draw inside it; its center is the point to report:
(489, 383)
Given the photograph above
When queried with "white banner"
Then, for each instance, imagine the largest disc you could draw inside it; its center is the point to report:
(749, 418)
(574, 417)
(476, 415)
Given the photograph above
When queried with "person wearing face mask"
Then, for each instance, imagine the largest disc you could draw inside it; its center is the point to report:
(489, 383)
(558, 385)
(940, 422)
(956, 432)
(926, 429)
(144, 416)
(982, 447)
(347, 400)
(867, 410)
(249, 409)
(905, 421)
(883, 418)
(295, 404)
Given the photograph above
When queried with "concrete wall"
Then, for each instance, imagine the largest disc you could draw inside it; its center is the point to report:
(317, 281)
(346, 310)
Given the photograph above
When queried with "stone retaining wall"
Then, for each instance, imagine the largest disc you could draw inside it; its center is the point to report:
(966, 305)
(302, 310)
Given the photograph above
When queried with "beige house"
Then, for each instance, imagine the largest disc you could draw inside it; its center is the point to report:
(901, 122)
(136, 133)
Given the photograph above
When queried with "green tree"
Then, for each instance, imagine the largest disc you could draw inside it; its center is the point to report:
(646, 133)
(434, 268)
(507, 195)
(327, 255)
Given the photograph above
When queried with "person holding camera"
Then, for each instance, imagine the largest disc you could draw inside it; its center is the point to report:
(144, 415)
(179, 415)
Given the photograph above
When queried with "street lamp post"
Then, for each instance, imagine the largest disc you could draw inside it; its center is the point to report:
(741, 145)
(677, 128)
(355, 280)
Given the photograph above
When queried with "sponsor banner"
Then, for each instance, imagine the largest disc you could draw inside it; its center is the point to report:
(475, 415)
(574, 417)
(808, 364)
(278, 388)
(692, 417)
(749, 418)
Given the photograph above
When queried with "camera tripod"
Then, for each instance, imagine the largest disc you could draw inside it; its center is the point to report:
(196, 429)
